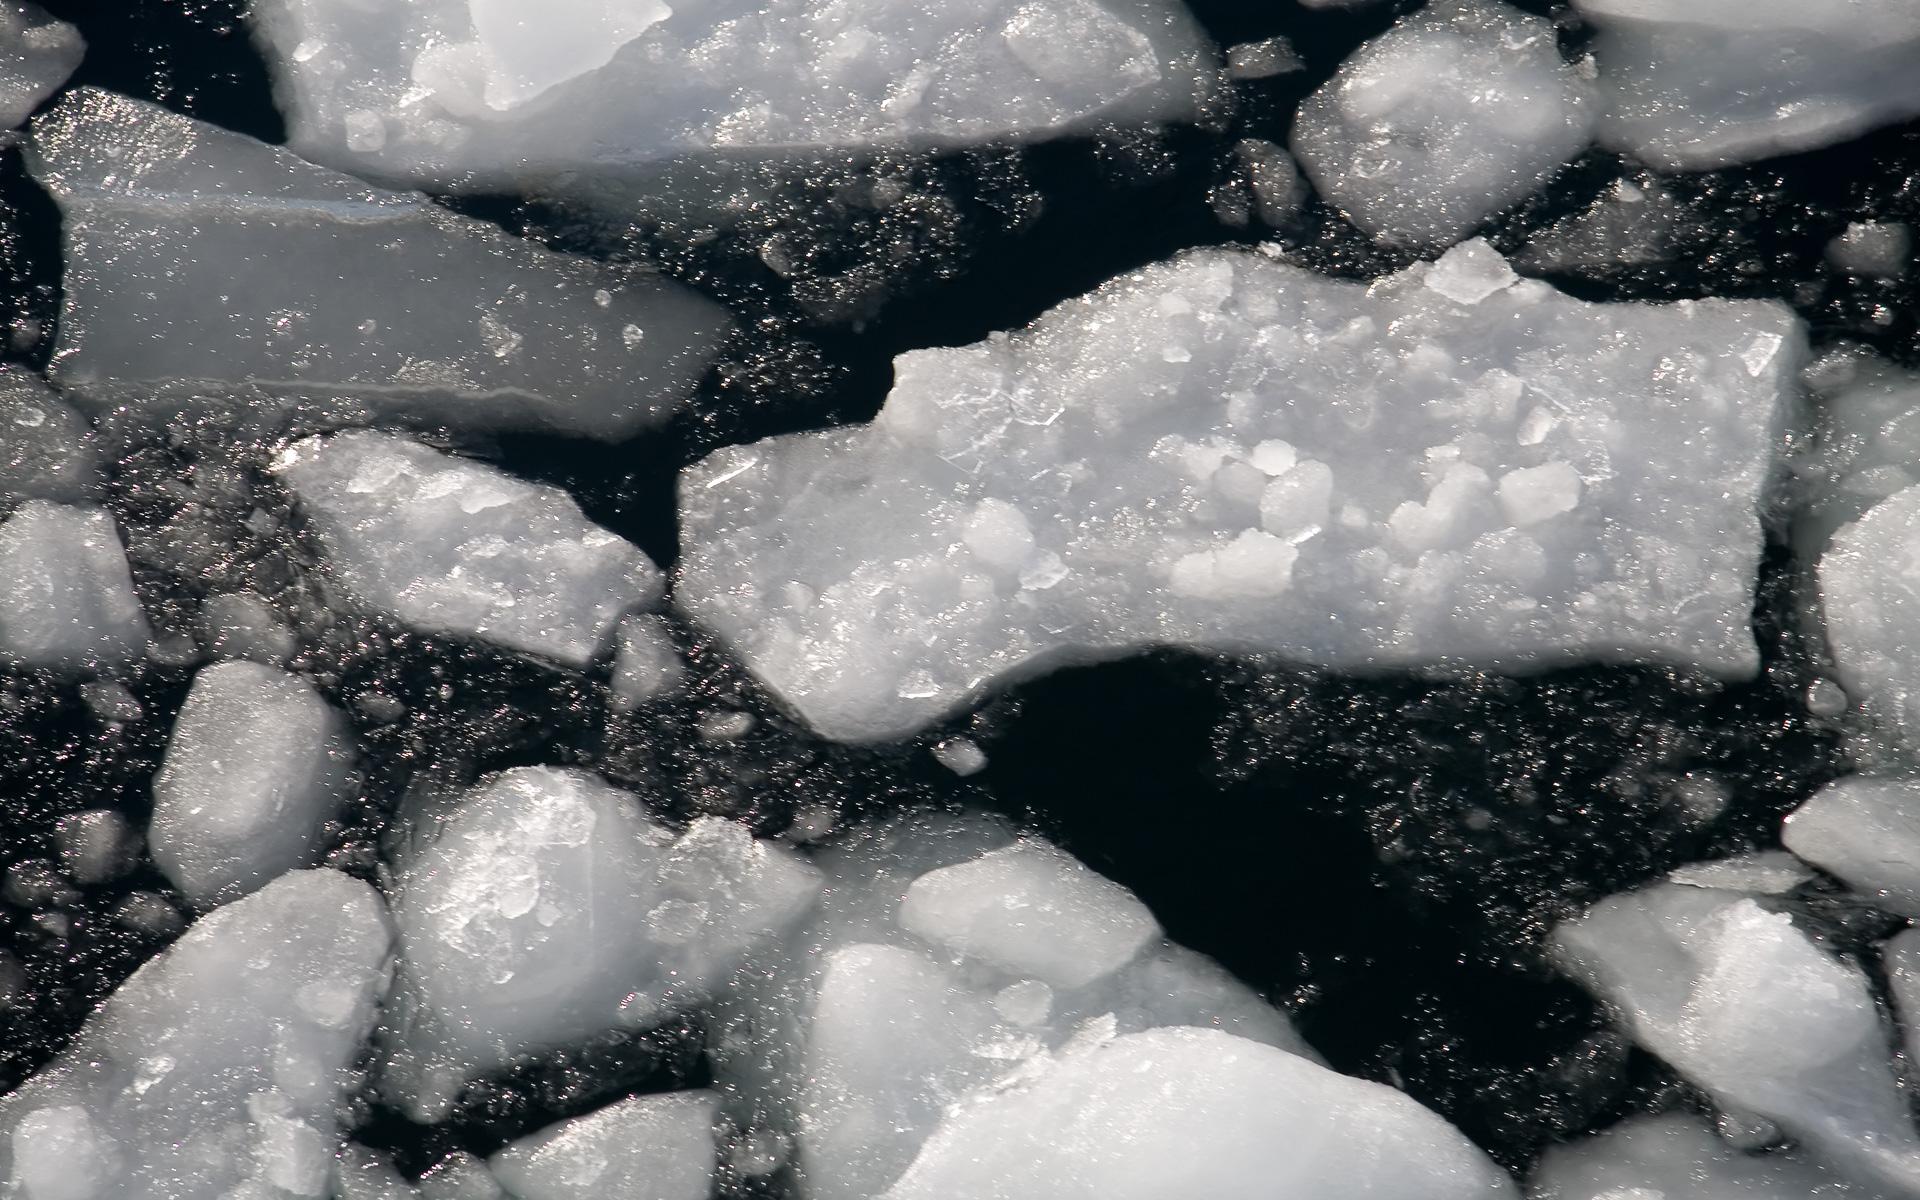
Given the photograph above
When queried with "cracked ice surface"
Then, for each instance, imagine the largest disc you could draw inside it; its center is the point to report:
(218, 1070)
(1696, 84)
(484, 94)
(202, 263)
(448, 545)
(37, 53)
(1226, 452)
(1043, 1039)
(548, 907)
(1458, 111)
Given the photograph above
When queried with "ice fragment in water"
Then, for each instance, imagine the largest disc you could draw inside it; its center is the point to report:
(1874, 248)
(66, 592)
(46, 448)
(1865, 830)
(37, 53)
(1678, 1157)
(646, 666)
(1353, 477)
(660, 1147)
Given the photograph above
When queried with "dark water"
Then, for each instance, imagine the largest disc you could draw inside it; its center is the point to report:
(1380, 855)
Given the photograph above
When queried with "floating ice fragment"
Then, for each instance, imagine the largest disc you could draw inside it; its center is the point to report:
(37, 53)
(1876, 248)
(646, 666)
(1865, 830)
(656, 1147)
(1678, 1157)
(202, 264)
(66, 592)
(1457, 112)
(1519, 481)
(46, 448)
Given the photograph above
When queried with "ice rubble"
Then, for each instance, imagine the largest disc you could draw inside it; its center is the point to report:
(46, 448)
(1678, 1157)
(66, 592)
(548, 907)
(1223, 451)
(1042, 1039)
(37, 53)
(218, 1070)
(335, 298)
(1755, 1013)
(454, 95)
(448, 545)
(1691, 85)
(1457, 112)
(657, 1147)
(257, 766)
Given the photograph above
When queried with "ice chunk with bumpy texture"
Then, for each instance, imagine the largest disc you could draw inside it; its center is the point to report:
(1695, 84)
(449, 93)
(973, 999)
(1222, 451)
(219, 1069)
(1457, 112)
(1222, 1117)
(37, 53)
(1867, 832)
(448, 545)
(66, 592)
(658, 1147)
(46, 448)
(1678, 1157)
(548, 907)
(1867, 593)
(1752, 1011)
(257, 767)
(203, 263)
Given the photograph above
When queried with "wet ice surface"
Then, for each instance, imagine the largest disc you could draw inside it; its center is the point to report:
(1454, 465)
(651, 933)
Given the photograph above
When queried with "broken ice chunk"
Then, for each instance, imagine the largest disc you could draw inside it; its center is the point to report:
(237, 625)
(646, 666)
(1691, 85)
(1186, 1111)
(1766, 873)
(581, 96)
(1677, 1156)
(66, 592)
(1878, 248)
(1031, 910)
(46, 448)
(96, 846)
(1752, 1011)
(1873, 612)
(548, 907)
(37, 53)
(660, 1147)
(257, 767)
(212, 1072)
(202, 263)
(1866, 831)
(1241, 455)
(1630, 225)
(1457, 112)
(448, 545)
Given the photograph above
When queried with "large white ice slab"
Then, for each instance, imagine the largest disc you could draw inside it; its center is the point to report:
(1678, 1157)
(514, 95)
(218, 1070)
(959, 982)
(37, 53)
(1696, 84)
(448, 545)
(1751, 1010)
(202, 263)
(1462, 109)
(1196, 1112)
(548, 907)
(1222, 451)
(257, 766)
(656, 1147)
(66, 592)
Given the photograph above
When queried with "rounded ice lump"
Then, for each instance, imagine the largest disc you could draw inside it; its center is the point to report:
(1449, 466)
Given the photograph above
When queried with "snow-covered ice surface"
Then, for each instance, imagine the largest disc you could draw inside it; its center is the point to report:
(219, 1069)
(37, 54)
(660, 1147)
(450, 545)
(1694, 84)
(334, 297)
(257, 766)
(1042, 1039)
(1758, 1015)
(66, 592)
(1222, 451)
(1459, 111)
(547, 906)
(1679, 1157)
(575, 98)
